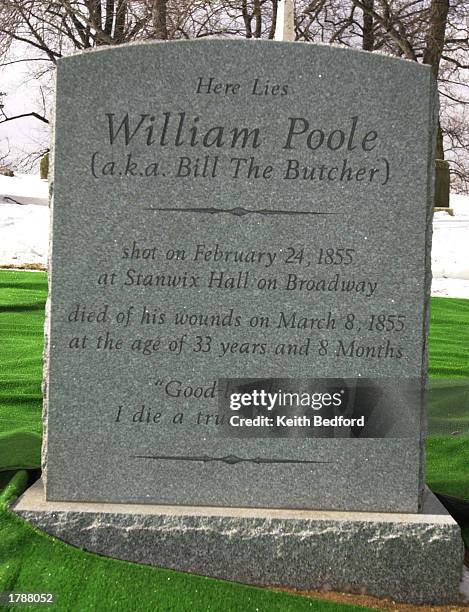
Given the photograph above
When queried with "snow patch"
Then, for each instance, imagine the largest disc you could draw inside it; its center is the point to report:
(24, 234)
(24, 189)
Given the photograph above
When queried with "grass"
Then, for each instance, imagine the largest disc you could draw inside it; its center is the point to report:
(30, 560)
(447, 468)
(22, 300)
(447, 465)
(449, 338)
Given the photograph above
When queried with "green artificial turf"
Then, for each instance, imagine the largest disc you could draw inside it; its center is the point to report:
(22, 301)
(448, 407)
(449, 338)
(447, 464)
(31, 560)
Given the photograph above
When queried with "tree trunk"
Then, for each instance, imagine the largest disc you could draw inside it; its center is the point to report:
(439, 151)
(109, 17)
(160, 22)
(247, 18)
(120, 21)
(434, 43)
(368, 33)
(274, 19)
(257, 14)
(435, 39)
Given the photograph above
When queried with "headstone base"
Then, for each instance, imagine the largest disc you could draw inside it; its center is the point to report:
(415, 558)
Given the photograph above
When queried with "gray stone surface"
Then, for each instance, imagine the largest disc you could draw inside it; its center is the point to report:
(409, 557)
(370, 124)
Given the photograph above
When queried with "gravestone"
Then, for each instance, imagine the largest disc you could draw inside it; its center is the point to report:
(442, 184)
(233, 224)
(250, 223)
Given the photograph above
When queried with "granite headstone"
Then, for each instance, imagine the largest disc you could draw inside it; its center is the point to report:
(239, 217)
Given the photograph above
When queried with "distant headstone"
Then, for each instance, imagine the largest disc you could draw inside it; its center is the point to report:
(44, 166)
(6, 171)
(261, 228)
(442, 183)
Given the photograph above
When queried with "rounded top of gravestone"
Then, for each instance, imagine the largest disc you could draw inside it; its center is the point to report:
(334, 49)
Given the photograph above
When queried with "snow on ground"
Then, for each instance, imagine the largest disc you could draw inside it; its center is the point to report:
(24, 220)
(24, 229)
(24, 234)
(24, 189)
(450, 250)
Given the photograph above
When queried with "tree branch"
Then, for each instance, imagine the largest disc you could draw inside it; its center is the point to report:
(32, 114)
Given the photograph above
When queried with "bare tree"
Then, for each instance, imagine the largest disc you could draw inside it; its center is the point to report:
(56, 28)
(160, 19)
(434, 32)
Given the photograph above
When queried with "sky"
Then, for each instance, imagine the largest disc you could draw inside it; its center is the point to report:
(23, 95)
